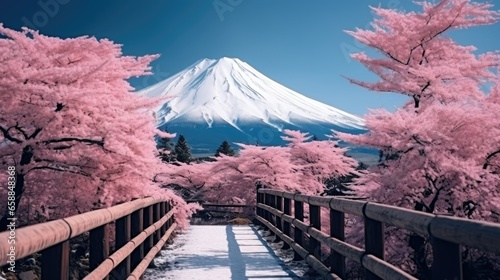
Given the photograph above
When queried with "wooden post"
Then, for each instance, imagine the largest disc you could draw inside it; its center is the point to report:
(156, 217)
(287, 209)
(163, 212)
(148, 220)
(315, 218)
(122, 237)
(337, 261)
(55, 262)
(263, 201)
(167, 209)
(99, 246)
(272, 203)
(258, 200)
(298, 235)
(136, 228)
(374, 243)
(171, 220)
(272, 218)
(279, 206)
(267, 201)
(447, 260)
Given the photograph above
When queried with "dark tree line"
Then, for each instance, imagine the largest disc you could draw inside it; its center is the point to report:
(181, 152)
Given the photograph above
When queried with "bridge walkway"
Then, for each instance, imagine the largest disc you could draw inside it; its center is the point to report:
(216, 252)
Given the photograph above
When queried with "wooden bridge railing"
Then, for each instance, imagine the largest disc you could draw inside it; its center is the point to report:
(215, 210)
(142, 227)
(447, 234)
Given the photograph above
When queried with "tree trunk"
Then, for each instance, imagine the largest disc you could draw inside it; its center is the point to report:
(417, 243)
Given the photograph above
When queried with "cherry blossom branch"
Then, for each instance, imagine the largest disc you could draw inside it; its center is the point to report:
(489, 157)
(76, 139)
(8, 136)
(54, 168)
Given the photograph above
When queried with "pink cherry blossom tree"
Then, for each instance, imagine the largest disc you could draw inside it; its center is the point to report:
(301, 166)
(79, 139)
(418, 61)
(318, 160)
(440, 152)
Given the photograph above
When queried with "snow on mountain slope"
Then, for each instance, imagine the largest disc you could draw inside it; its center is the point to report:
(231, 91)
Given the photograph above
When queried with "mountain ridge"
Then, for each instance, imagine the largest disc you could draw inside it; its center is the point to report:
(230, 90)
(216, 100)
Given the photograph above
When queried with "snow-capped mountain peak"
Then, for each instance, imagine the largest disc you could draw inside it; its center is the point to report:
(231, 91)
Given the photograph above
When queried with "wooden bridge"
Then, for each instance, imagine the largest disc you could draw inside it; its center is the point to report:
(143, 226)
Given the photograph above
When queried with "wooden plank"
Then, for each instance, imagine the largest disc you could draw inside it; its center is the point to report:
(383, 269)
(414, 221)
(117, 257)
(99, 246)
(317, 265)
(36, 238)
(374, 243)
(321, 201)
(269, 191)
(301, 197)
(298, 235)
(447, 260)
(225, 205)
(348, 206)
(315, 218)
(148, 259)
(55, 262)
(137, 226)
(122, 236)
(219, 211)
(337, 261)
(477, 234)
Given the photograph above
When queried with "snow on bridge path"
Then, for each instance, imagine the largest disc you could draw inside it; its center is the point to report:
(219, 253)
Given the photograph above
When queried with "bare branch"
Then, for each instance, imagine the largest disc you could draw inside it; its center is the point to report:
(81, 140)
(489, 157)
(60, 169)
(8, 136)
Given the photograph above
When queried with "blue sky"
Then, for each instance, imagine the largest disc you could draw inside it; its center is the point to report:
(300, 44)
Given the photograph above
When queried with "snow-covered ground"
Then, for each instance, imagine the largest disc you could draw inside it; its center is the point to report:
(224, 252)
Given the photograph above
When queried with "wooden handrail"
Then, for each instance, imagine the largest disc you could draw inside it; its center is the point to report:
(226, 205)
(112, 261)
(447, 234)
(153, 219)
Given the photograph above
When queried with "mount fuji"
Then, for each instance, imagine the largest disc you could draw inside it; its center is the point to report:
(226, 99)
